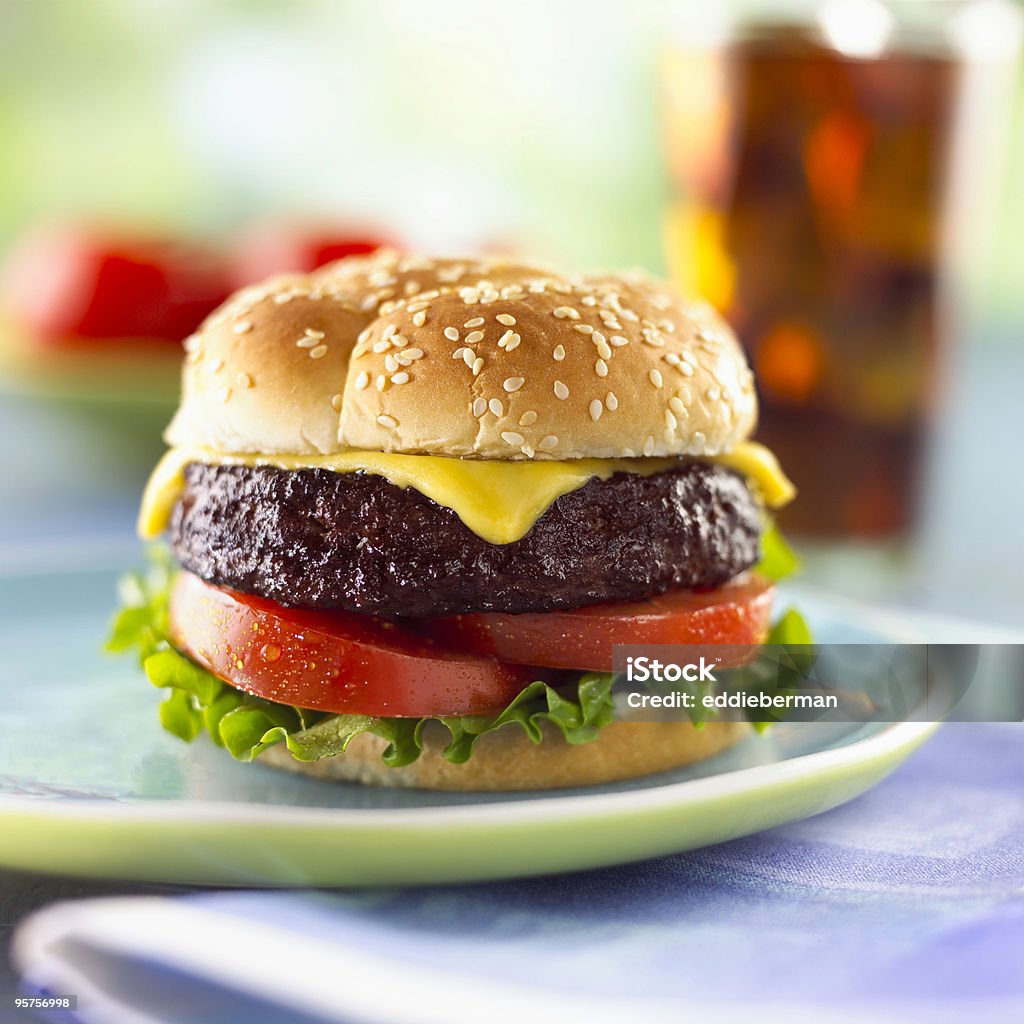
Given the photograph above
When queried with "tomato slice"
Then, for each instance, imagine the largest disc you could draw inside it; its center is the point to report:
(737, 613)
(333, 661)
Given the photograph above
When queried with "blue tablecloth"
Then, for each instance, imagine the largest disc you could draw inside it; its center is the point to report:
(906, 904)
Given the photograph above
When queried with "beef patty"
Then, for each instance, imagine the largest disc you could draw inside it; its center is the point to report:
(312, 538)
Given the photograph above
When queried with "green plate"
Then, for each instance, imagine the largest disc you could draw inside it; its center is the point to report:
(90, 785)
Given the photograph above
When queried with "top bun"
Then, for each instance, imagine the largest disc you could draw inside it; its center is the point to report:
(474, 358)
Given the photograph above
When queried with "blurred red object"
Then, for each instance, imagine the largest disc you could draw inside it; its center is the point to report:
(298, 248)
(72, 284)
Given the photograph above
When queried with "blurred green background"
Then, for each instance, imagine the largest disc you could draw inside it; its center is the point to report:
(458, 122)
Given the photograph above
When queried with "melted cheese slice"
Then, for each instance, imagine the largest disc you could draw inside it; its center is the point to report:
(498, 501)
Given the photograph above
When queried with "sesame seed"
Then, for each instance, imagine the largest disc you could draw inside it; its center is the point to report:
(528, 419)
(242, 326)
(596, 408)
(419, 319)
(513, 343)
(507, 319)
(282, 297)
(468, 356)
(561, 391)
(390, 363)
(712, 394)
(676, 405)
(566, 312)
(216, 365)
(400, 378)
(649, 447)
(460, 353)
(656, 378)
(528, 451)
(506, 338)
(381, 346)
(601, 368)
(611, 401)
(686, 369)
(513, 383)
(512, 438)
(382, 382)
(617, 340)
(244, 380)
(546, 444)
(474, 336)
(336, 401)
(307, 342)
(559, 354)
(589, 300)
(451, 333)
(603, 350)
(399, 340)
(671, 358)
(478, 365)
(479, 407)
(319, 335)
(410, 355)
(670, 421)
(364, 336)
(699, 439)
(318, 353)
(496, 407)
(477, 321)
(224, 394)
(362, 381)
(583, 328)
(387, 421)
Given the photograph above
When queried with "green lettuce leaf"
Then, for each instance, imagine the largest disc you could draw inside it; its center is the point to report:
(790, 628)
(141, 622)
(246, 726)
(778, 559)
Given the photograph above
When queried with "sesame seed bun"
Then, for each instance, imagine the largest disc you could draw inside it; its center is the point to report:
(472, 358)
(507, 760)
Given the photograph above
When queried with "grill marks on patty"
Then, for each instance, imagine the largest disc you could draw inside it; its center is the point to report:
(312, 538)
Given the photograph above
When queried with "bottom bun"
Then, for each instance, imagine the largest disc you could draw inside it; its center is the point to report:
(508, 760)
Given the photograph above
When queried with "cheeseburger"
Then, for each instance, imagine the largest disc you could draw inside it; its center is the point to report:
(413, 503)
